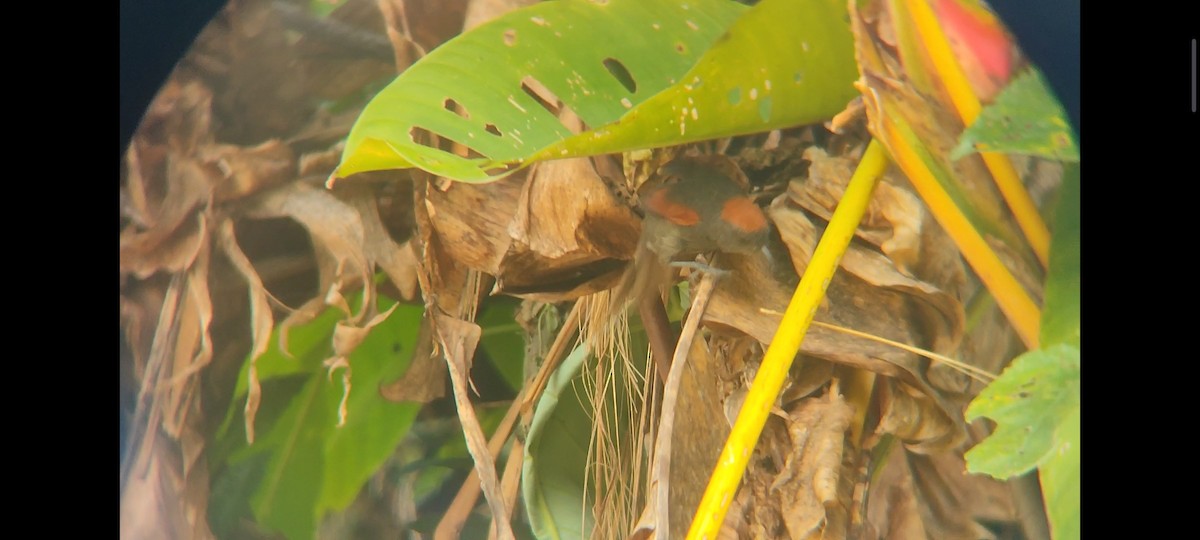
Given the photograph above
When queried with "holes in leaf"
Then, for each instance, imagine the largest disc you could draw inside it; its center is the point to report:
(491, 128)
(453, 106)
(425, 137)
(621, 74)
(549, 101)
(542, 95)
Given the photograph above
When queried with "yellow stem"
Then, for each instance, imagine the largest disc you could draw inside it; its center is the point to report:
(782, 351)
(966, 103)
(1010, 296)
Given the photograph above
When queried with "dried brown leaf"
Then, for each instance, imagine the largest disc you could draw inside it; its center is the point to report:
(808, 485)
(262, 321)
(471, 221)
(930, 496)
(336, 229)
(458, 339)
(347, 338)
(399, 262)
(751, 300)
(176, 231)
(161, 502)
(568, 229)
(926, 423)
(245, 171)
(697, 438)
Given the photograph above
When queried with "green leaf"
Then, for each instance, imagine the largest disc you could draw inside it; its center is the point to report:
(1024, 119)
(1060, 317)
(304, 464)
(374, 426)
(1059, 475)
(783, 63)
(623, 67)
(1031, 402)
(555, 461)
(503, 340)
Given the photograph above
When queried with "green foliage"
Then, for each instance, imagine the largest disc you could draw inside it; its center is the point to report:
(303, 464)
(623, 67)
(322, 8)
(1035, 402)
(1060, 324)
(1060, 318)
(553, 487)
(1029, 402)
(1025, 119)
(503, 340)
(1060, 481)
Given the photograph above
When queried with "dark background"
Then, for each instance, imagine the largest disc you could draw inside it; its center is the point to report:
(154, 34)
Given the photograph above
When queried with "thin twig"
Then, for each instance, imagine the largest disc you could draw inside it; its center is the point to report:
(662, 445)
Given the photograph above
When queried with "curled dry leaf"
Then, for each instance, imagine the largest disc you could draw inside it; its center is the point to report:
(150, 500)
(245, 171)
(471, 220)
(917, 417)
(808, 485)
(919, 497)
(336, 230)
(552, 233)
(346, 338)
(568, 230)
(175, 233)
(399, 262)
(893, 220)
(458, 339)
(262, 322)
(751, 300)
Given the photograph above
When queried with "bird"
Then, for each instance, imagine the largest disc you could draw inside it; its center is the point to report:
(692, 205)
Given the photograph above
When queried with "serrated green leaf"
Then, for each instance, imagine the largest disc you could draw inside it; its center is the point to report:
(1029, 402)
(622, 66)
(1024, 119)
